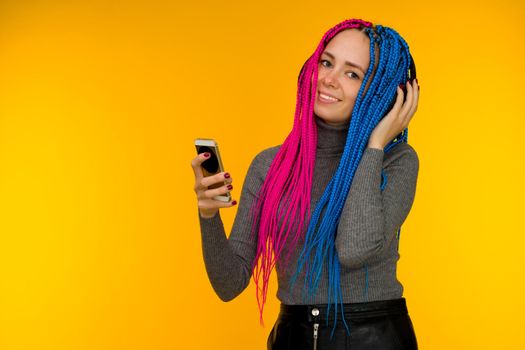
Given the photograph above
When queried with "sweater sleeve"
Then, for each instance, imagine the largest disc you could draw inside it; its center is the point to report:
(228, 261)
(371, 217)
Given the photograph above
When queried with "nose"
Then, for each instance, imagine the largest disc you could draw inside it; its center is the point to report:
(329, 79)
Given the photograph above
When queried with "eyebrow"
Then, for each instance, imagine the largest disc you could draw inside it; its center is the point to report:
(346, 63)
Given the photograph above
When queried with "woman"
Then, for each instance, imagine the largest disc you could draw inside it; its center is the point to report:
(325, 207)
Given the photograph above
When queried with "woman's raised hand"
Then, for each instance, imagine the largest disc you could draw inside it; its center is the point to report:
(397, 119)
(208, 206)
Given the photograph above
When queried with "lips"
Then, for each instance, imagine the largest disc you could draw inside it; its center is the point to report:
(327, 98)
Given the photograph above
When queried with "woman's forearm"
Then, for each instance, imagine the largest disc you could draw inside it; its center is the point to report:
(371, 217)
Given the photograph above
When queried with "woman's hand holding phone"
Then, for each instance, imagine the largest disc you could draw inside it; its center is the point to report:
(208, 206)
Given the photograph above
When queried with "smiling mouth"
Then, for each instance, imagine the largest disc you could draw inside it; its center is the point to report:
(327, 99)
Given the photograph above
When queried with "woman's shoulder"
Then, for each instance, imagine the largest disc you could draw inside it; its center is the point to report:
(263, 159)
(401, 152)
(266, 156)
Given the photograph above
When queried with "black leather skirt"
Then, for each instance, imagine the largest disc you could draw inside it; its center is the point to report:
(376, 325)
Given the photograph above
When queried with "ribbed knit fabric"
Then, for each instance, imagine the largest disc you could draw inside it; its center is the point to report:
(366, 233)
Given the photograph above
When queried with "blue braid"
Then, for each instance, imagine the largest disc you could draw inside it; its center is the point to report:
(369, 109)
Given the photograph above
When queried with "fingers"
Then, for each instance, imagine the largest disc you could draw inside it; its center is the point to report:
(408, 102)
(213, 204)
(212, 193)
(196, 165)
(205, 195)
(410, 105)
(202, 183)
(206, 198)
(213, 179)
(399, 99)
(415, 100)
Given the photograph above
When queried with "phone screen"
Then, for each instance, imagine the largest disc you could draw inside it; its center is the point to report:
(211, 165)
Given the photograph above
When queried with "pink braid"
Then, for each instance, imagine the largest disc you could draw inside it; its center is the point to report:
(288, 183)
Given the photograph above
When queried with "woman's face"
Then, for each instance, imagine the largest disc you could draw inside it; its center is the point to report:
(342, 68)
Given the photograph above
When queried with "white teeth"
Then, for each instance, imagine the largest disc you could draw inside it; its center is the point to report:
(328, 97)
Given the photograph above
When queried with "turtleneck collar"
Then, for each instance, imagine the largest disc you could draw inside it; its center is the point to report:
(331, 139)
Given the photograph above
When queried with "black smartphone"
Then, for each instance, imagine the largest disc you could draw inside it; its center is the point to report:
(212, 165)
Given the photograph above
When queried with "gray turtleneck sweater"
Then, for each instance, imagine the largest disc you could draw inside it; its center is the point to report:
(366, 235)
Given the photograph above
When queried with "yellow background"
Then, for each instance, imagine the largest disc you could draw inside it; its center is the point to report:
(100, 102)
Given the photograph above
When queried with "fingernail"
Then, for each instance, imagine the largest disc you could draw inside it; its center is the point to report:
(401, 86)
(227, 175)
(230, 187)
(234, 202)
(206, 154)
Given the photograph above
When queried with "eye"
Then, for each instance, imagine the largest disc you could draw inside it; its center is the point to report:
(321, 62)
(355, 75)
(352, 75)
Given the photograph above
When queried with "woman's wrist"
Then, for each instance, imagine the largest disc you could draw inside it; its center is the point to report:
(208, 214)
(375, 145)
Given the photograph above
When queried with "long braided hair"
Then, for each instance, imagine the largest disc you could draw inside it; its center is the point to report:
(283, 201)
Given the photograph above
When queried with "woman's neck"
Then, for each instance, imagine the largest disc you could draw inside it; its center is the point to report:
(331, 139)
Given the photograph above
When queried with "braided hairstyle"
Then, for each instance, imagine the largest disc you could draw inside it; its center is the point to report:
(283, 201)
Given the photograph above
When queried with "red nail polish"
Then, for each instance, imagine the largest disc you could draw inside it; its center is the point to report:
(234, 202)
(227, 175)
(230, 187)
(206, 154)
